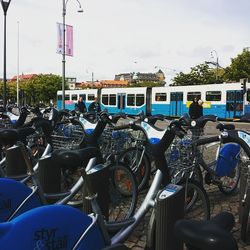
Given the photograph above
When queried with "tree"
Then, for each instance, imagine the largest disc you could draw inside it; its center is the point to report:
(42, 88)
(200, 74)
(239, 68)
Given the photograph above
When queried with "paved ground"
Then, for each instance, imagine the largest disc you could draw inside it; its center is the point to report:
(218, 202)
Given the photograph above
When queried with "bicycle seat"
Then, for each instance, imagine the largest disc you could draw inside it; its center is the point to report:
(115, 118)
(51, 227)
(213, 234)
(8, 137)
(74, 158)
(42, 123)
(222, 126)
(24, 132)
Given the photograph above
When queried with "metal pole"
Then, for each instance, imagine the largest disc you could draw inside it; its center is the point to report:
(63, 56)
(17, 83)
(217, 65)
(4, 63)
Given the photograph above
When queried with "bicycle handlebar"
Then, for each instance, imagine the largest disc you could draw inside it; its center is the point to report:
(125, 126)
(203, 141)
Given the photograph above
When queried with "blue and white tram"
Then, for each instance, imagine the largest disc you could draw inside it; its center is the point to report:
(224, 100)
(72, 96)
(127, 100)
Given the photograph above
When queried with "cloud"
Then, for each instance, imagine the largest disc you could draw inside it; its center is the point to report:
(111, 34)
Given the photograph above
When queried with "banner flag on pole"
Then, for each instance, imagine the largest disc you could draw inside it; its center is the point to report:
(68, 39)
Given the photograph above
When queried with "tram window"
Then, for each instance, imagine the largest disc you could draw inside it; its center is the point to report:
(74, 97)
(180, 96)
(105, 99)
(239, 96)
(213, 96)
(59, 97)
(248, 96)
(230, 106)
(130, 100)
(112, 99)
(140, 100)
(192, 95)
(176, 96)
(66, 97)
(91, 97)
(160, 97)
(239, 107)
(83, 96)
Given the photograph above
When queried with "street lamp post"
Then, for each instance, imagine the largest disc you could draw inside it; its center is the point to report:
(216, 63)
(63, 48)
(5, 6)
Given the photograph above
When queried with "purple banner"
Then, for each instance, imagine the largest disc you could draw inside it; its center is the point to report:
(68, 39)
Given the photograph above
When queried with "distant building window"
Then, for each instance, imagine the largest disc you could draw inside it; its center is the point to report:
(213, 96)
(160, 97)
(139, 100)
(83, 96)
(67, 98)
(91, 97)
(105, 99)
(192, 95)
(74, 97)
(130, 100)
(112, 100)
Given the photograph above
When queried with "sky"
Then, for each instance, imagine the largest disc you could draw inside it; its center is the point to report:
(121, 36)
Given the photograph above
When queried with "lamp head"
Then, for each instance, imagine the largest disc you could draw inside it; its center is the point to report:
(5, 5)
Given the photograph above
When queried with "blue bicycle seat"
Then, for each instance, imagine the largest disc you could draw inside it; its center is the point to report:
(51, 227)
(227, 159)
(12, 197)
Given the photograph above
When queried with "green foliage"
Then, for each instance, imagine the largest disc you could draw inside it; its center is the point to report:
(42, 88)
(239, 68)
(10, 90)
(200, 74)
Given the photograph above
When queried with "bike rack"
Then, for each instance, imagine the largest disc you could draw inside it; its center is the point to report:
(49, 175)
(15, 164)
(169, 208)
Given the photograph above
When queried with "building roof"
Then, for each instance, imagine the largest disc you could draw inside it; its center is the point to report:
(114, 82)
(23, 77)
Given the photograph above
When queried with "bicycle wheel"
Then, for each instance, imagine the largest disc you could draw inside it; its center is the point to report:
(228, 184)
(139, 162)
(123, 192)
(245, 221)
(197, 205)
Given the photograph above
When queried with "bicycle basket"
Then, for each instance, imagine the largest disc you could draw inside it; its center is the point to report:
(227, 159)
(67, 136)
(120, 139)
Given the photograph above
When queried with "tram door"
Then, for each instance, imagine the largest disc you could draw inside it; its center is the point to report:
(176, 103)
(234, 103)
(121, 105)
